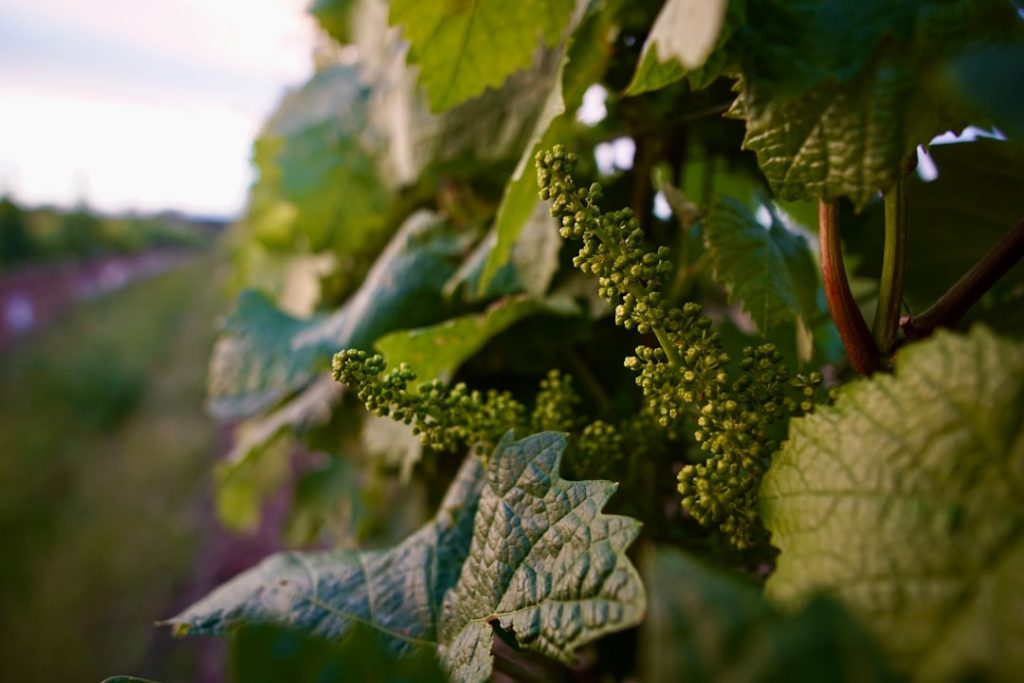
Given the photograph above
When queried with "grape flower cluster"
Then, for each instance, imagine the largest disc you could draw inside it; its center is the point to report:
(451, 419)
(687, 375)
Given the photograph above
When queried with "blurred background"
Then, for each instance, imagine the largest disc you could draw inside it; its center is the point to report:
(126, 131)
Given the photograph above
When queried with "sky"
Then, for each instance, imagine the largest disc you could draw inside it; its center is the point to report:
(142, 105)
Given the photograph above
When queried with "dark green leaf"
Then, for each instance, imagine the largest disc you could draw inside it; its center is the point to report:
(833, 92)
(463, 48)
(987, 82)
(768, 271)
(904, 499)
(705, 626)
(546, 564)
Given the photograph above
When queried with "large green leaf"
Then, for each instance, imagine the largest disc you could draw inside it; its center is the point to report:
(264, 355)
(397, 592)
(464, 47)
(546, 564)
(768, 271)
(439, 350)
(833, 93)
(905, 500)
(681, 41)
(705, 626)
(531, 553)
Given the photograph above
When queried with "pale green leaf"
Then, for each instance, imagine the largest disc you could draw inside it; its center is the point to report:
(521, 215)
(905, 500)
(437, 351)
(681, 40)
(396, 592)
(768, 271)
(705, 626)
(464, 47)
(546, 564)
(318, 182)
(264, 355)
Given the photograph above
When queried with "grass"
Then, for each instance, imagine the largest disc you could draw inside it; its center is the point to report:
(104, 455)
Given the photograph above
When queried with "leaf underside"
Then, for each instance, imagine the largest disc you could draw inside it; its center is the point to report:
(905, 500)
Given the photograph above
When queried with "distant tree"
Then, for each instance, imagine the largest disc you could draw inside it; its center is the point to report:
(81, 232)
(15, 241)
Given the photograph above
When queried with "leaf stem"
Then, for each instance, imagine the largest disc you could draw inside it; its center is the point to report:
(959, 298)
(860, 347)
(894, 258)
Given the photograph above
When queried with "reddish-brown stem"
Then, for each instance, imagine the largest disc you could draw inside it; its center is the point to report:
(853, 330)
(959, 298)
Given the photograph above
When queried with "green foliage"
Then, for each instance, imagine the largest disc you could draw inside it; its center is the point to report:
(706, 626)
(264, 355)
(545, 563)
(768, 271)
(463, 48)
(975, 195)
(682, 39)
(681, 356)
(503, 551)
(904, 500)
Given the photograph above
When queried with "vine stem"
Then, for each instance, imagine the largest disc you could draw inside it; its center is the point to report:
(959, 298)
(860, 347)
(894, 258)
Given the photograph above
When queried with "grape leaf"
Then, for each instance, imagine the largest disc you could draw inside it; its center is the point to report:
(397, 592)
(463, 48)
(768, 271)
(904, 499)
(521, 211)
(264, 355)
(437, 351)
(833, 93)
(706, 626)
(530, 552)
(317, 177)
(681, 41)
(545, 564)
